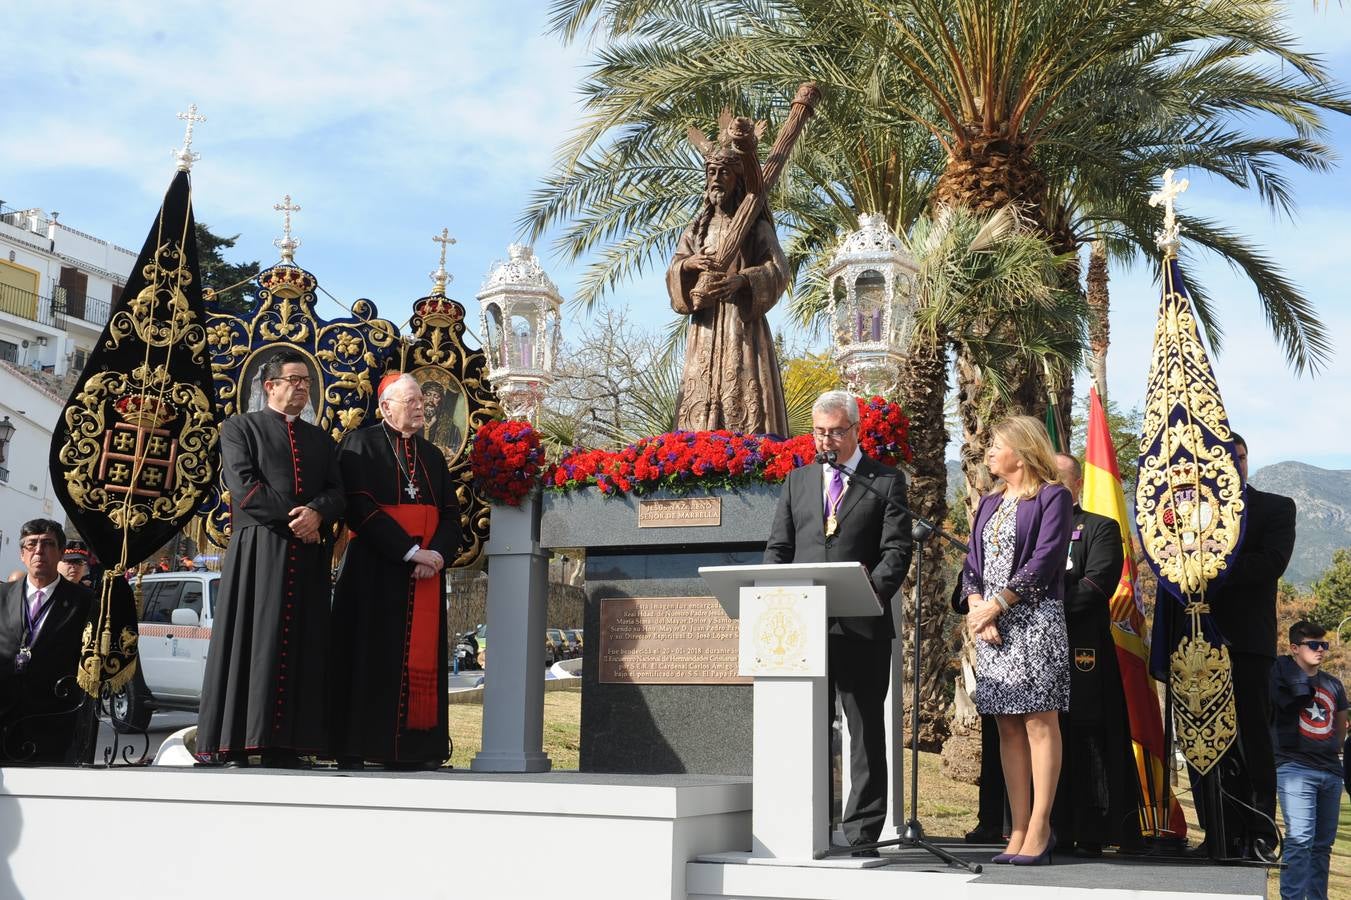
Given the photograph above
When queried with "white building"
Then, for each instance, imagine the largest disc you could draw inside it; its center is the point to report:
(56, 288)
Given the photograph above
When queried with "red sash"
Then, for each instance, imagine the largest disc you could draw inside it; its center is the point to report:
(420, 521)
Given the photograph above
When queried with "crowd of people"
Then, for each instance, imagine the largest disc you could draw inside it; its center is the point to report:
(1058, 770)
(300, 667)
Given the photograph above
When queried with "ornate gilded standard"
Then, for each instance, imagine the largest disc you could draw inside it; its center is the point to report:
(134, 454)
(1189, 503)
(346, 358)
(458, 397)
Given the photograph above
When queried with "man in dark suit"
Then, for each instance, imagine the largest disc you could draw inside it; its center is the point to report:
(825, 515)
(42, 621)
(1099, 795)
(1244, 610)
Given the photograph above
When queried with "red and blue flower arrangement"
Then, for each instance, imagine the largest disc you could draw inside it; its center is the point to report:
(506, 458)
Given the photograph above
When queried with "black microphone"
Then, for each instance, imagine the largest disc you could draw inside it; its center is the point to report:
(827, 457)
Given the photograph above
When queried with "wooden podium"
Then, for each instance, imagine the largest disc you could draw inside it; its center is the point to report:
(783, 611)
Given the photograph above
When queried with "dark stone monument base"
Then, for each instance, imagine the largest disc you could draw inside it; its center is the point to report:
(657, 728)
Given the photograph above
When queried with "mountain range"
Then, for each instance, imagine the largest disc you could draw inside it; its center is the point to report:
(1323, 520)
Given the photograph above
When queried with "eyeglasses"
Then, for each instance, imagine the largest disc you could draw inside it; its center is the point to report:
(44, 544)
(832, 433)
(293, 380)
(412, 404)
(1316, 645)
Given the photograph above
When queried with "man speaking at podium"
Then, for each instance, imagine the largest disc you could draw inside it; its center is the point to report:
(829, 515)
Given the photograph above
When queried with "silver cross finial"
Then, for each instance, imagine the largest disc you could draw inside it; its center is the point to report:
(440, 278)
(1167, 237)
(287, 244)
(184, 155)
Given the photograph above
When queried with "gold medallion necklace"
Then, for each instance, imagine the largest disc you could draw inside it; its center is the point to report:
(1001, 515)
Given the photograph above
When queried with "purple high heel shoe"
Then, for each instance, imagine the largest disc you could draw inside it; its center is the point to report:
(1041, 859)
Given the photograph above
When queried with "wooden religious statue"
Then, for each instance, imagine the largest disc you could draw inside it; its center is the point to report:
(727, 274)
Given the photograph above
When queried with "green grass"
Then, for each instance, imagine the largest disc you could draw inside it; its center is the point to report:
(562, 729)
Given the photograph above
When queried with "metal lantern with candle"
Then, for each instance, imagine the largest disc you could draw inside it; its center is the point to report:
(872, 281)
(520, 317)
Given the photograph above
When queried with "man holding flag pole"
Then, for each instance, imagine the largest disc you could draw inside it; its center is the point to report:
(1103, 494)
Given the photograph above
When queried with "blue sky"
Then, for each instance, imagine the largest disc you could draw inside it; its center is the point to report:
(387, 125)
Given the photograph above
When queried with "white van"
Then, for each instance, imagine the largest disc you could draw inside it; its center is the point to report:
(175, 632)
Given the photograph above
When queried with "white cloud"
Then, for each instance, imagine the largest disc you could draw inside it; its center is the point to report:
(387, 122)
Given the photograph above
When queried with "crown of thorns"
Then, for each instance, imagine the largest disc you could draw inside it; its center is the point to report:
(737, 136)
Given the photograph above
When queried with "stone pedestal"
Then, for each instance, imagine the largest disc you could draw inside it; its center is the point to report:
(658, 728)
(513, 686)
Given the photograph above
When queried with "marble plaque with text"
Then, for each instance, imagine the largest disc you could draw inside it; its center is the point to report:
(667, 640)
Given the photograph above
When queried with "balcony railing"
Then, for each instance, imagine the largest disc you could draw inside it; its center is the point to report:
(80, 306)
(31, 306)
(53, 311)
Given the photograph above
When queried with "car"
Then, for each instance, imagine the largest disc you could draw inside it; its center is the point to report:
(555, 646)
(481, 638)
(175, 631)
(575, 634)
(571, 648)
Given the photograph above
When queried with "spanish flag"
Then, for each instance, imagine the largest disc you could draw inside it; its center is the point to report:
(1103, 495)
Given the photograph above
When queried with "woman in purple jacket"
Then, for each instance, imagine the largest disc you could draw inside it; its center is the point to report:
(1014, 582)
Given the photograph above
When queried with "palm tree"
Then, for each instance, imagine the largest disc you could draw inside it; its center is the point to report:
(987, 292)
(973, 103)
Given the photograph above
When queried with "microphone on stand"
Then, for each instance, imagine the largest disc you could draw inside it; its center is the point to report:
(828, 458)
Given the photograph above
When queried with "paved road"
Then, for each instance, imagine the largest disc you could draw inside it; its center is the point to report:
(130, 748)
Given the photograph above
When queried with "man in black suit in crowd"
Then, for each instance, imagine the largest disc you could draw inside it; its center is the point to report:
(825, 515)
(42, 621)
(1244, 610)
(1098, 800)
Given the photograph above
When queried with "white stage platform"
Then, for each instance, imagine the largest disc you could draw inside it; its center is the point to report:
(231, 833)
(917, 874)
(167, 832)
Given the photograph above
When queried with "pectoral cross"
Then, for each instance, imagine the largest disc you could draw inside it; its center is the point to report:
(411, 490)
(440, 278)
(1167, 237)
(185, 156)
(286, 244)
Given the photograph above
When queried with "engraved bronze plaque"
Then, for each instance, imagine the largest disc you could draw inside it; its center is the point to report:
(667, 640)
(680, 512)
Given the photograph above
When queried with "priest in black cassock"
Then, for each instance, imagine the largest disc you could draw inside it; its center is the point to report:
(263, 692)
(387, 685)
(1098, 801)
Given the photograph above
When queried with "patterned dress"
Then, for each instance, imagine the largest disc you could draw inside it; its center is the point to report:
(1030, 671)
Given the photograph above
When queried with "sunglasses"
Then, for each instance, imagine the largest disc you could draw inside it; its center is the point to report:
(1315, 645)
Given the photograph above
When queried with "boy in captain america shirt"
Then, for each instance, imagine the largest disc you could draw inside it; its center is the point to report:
(1310, 724)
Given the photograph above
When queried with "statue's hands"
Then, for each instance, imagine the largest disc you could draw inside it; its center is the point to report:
(722, 288)
(697, 263)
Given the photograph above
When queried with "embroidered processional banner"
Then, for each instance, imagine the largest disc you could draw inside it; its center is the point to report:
(346, 358)
(134, 454)
(1189, 508)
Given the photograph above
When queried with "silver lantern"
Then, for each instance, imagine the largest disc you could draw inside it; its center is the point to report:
(872, 281)
(520, 317)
